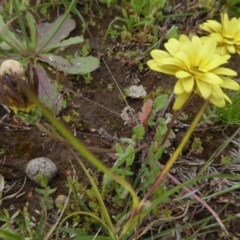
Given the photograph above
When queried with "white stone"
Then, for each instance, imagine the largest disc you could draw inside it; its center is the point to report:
(136, 91)
(41, 166)
(11, 66)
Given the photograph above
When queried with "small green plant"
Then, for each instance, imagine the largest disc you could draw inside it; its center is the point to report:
(43, 45)
(233, 8)
(230, 114)
(139, 20)
(196, 146)
(135, 189)
(227, 115)
(14, 228)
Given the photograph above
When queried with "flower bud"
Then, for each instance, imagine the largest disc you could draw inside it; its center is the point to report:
(15, 86)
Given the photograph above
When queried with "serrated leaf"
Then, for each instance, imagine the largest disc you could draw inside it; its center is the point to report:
(119, 149)
(139, 132)
(160, 102)
(79, 65)
(161, 129)
(159, 152)
(130, 153)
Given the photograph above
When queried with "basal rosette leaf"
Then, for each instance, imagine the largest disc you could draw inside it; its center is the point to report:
(78, 65)
(49, 38)
(47, 91)
(9, 38)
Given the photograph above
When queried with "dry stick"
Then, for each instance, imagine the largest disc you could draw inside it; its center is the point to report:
(202, 201)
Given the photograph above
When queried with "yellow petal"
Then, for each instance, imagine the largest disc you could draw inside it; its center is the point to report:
(157, 66)
(196, 46)
(227, 98)
(152, 64)
(211, 26)
(219, 103)
(204, 89)
(184, 58)
(217, 92)
(178, 88)
(229, 84)
(188, 84)
(170, 65)
(156, 53)
(184, 39)
(208, 47)
(183, 74)
(185, 82)
(172, 46)
(213, 61)
(209, 78)
(222, 50)
(224, 71)
(230, 48)
(224, 19)
(180, 100)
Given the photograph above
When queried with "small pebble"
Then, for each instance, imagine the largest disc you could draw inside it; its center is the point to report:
(11, 66)
(43, 166)
(136, 92)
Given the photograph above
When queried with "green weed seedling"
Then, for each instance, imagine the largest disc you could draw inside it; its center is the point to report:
(87, 198)
(140, 19)
(229, 115)
(127, 151)
(13, 228)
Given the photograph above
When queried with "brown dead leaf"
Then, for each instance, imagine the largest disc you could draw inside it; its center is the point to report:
(145, 113)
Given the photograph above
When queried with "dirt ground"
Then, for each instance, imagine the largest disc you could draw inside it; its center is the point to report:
(97, 121)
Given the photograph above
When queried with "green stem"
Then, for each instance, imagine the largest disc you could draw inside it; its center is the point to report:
(161, 176)
(176, 153)
(77, 144)
(93, 216)
(104, 211)
(20, 20)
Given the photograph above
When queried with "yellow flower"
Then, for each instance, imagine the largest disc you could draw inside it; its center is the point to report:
(226, 33)
(197, 66)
